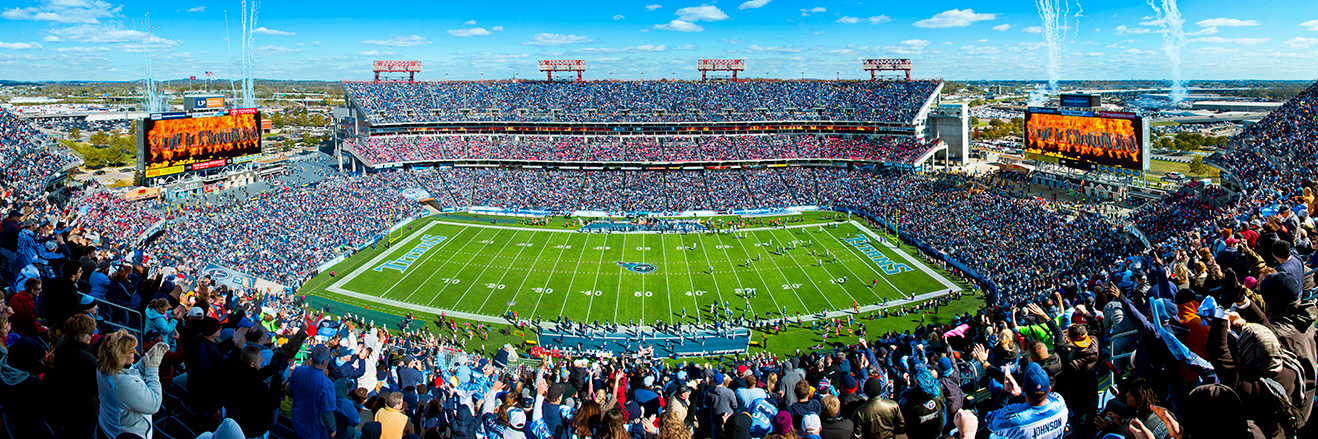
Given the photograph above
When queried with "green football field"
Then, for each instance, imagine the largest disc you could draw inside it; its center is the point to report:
(480, 271)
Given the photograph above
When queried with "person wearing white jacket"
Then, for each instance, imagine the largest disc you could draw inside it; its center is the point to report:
(129, 395)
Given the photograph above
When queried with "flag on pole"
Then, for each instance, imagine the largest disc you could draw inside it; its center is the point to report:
(210, 74)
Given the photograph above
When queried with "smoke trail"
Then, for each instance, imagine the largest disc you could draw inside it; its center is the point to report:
(1173, 39)
(1054, 24)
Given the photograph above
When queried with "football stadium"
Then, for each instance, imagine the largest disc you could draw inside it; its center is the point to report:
(728, 252)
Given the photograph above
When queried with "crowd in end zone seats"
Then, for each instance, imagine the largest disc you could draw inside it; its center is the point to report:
(408, 148)
(640, 101)
(28, 158)
(1209, 334)
(1277, 153)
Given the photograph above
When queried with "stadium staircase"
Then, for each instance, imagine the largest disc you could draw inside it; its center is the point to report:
(929, 155)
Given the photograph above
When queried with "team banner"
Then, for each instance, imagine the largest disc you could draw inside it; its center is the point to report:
(416, 194)
(239, 280)
(175, 145)
(1086, 140)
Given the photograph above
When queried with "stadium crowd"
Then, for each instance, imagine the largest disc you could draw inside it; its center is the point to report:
(28, 158)
(378, 150)
(640, 101)
(1208, 334)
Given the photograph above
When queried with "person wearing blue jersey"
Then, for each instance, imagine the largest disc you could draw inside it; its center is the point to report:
(1043, 415)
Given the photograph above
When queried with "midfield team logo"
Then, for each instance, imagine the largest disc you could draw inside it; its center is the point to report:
(638, 267)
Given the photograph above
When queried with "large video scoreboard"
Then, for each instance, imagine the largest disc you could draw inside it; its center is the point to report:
(174, 143)
(1108, 141)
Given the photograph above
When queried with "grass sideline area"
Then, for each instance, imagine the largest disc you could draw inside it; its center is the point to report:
(484, 258)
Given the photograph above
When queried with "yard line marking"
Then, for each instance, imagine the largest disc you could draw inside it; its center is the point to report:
(621, 255)
(590, 305)
(432, 274)
(812, 279)
(668, 287)
(691, 275)
(550, 277)
(778, 307)
(483, 270)
(518, 292)
(717, 290)
(464, 267)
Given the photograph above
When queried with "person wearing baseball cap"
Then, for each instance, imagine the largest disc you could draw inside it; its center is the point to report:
(1043, 414)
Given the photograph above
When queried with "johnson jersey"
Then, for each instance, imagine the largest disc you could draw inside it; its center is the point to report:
(1024, 421)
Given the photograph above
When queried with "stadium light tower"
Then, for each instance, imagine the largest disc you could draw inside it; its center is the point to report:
(720, 65)
(549, 66)
(411, 68)
(876, 65)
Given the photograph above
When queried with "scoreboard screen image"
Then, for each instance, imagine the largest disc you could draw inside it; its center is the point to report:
(1089, 140)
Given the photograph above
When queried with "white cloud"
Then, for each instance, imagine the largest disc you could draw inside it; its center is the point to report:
(376, 53)
(469, 23)
(19, 46)
(814, 10)
(1033, 30)
(197, 9)
(754, 4)
(701, 13)
(916, 42)
(1302, 42)
(1220, 40)
(97, 34)
(64, 11)
(954, 18)
(644, 48)
(734, 41)
(265, 31)
(1133, 51)
(1123, 30)
(1204, 31)
(400, 41)
(877, 19)
(776, 49)
(1227, 22)
(980, 50)
(473, 32)
(685, 47)
(276, 51)
(1214, 50)
(653, 7)
(497, 28)
(548, 39)
(680, 26)
(1311, 24)
(1002, 27)
(618, 17)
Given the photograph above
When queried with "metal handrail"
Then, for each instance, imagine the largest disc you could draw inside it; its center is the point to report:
(139, 332)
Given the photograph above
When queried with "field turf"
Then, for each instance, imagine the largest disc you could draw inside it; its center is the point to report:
(479, 271)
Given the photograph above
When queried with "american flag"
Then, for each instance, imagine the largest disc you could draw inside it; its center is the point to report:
(210, 74)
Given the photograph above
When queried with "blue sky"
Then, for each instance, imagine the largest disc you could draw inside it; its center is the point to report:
(965, 39)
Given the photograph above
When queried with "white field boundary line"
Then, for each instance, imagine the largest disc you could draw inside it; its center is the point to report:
(912, 261)
(652, 232)
(337, 286)
(380, 257)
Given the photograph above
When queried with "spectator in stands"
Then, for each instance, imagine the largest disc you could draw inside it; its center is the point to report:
(62, 297)
(835, 426)
(129, 391)
(880, 417)
(73, 378)
(313, 396)
(22, 392)
(248, 399)
(1043, 414)
(393, 422)
(25, 320)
